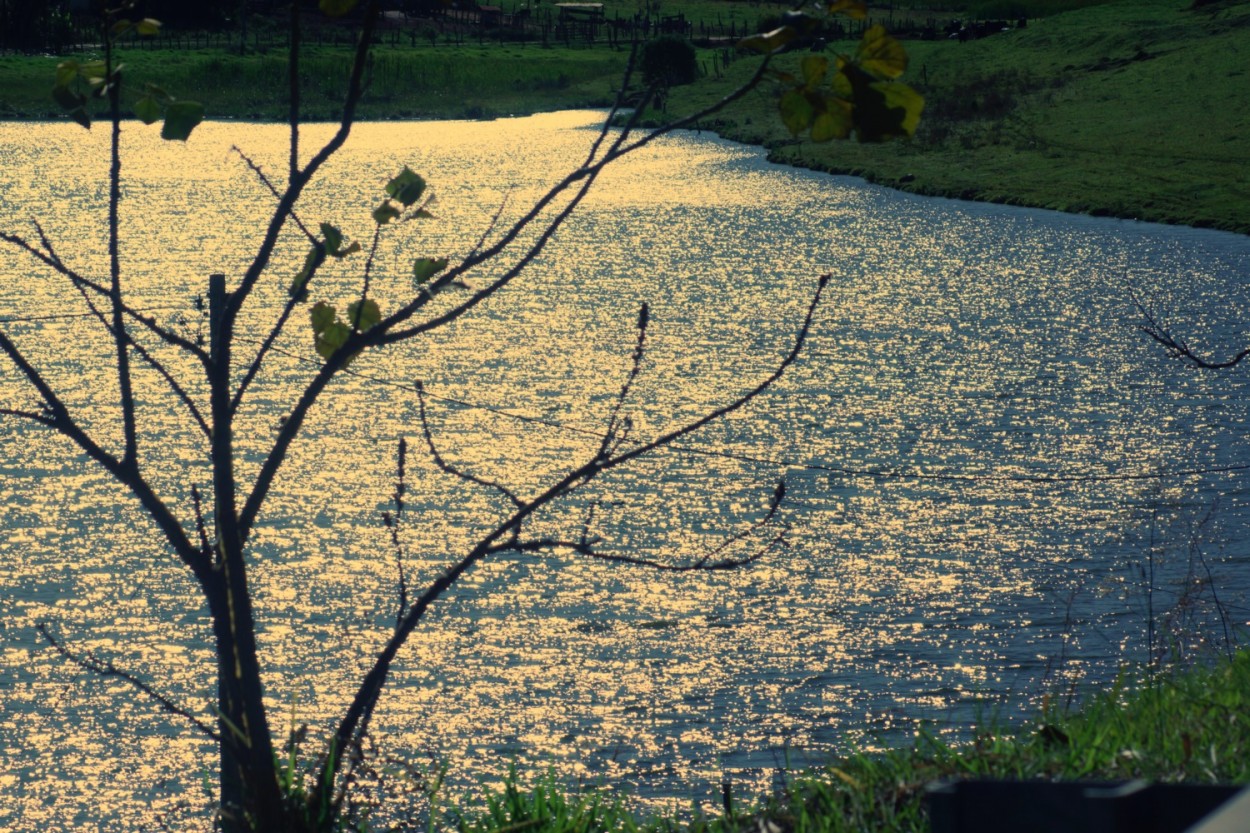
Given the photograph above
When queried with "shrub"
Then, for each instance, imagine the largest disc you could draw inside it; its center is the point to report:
(669, 61)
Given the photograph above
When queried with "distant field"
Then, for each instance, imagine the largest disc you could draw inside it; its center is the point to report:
(443, 81)
(1131, 108)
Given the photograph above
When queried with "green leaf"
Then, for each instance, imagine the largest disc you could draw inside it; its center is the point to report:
(425, 268)
(312, 262)
(422, 214)
(880, 54)
(67, 98)
(796, 111)
(885, 110)
(334, 242)
(902, 97)
(79, 114)
(364, 317)
(322, 315)
(181, 117)
(834, 122)
(332, 338)
(407, 187)
(337, 8)
(385, 212)
(148, 27)
(334, 237)
(95, 69)
(66, 72)
(855, 9)
(814, 68)
(147, 110)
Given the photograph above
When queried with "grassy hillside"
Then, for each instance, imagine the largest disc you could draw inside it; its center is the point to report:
(1136, 108)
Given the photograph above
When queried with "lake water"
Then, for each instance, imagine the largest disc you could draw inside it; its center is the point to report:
(963, 353)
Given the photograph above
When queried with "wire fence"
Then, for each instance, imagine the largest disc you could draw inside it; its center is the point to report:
(568, 24)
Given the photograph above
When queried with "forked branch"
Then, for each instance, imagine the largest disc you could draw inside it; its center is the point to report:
(1177, 348)
(505, 537)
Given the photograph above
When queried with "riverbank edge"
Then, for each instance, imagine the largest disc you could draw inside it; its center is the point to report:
(1175, 726)
(782, 153)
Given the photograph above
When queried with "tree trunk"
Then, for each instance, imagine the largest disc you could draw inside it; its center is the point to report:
(251, 798)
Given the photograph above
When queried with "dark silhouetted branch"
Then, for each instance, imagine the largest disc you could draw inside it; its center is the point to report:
(106, 668)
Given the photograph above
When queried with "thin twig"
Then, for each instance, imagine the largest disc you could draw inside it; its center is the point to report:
(610, 437)
(447, 467)
(105, 668)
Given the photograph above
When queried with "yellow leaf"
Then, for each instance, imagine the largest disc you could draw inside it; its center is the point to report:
(834, 122)
(880, 54)
(855, 9)
(847, 779)
(814, 67)
(902, 96)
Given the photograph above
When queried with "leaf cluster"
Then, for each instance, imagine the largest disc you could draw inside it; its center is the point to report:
(76, 82)
(406, 192)
(857, 94)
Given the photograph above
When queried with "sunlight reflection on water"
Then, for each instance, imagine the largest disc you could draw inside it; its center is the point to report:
(957, 340)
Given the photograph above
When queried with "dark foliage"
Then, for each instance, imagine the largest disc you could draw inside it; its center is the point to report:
(669, 61)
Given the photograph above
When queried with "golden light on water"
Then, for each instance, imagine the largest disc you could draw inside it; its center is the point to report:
(956, 340)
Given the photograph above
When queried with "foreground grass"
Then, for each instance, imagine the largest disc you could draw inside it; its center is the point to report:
(1132, 108)
(1192, 727)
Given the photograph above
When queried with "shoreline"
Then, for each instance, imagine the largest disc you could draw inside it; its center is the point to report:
(789, 153)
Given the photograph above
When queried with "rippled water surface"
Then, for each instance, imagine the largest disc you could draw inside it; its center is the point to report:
(970, 352)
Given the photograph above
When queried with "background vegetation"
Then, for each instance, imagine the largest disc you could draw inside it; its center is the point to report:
(1121, 108)
(1125, 108)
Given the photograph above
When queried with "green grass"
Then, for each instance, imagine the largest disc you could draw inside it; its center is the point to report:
(1135, 108)
(406, 83)
(1192, 727)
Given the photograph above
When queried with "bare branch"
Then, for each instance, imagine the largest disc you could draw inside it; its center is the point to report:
(201, 528)
(504, 538)
(83, 284)
(273, 189)
(125, 472)
(384, 332)
(585, 175)
(121, 339)
(447, 467)
(610, 436)
(175, 386)
(276, 330)
(1177, 348)
(708, 561)
(43, 419)
(300, 179)
(105, 668)
(392, 523)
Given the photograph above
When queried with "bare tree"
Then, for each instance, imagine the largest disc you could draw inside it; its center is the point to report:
(210, 531)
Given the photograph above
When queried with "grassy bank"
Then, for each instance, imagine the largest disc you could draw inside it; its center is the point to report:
(1192, 727)
(1133, 108)
(1127, 108)
(406, 83)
